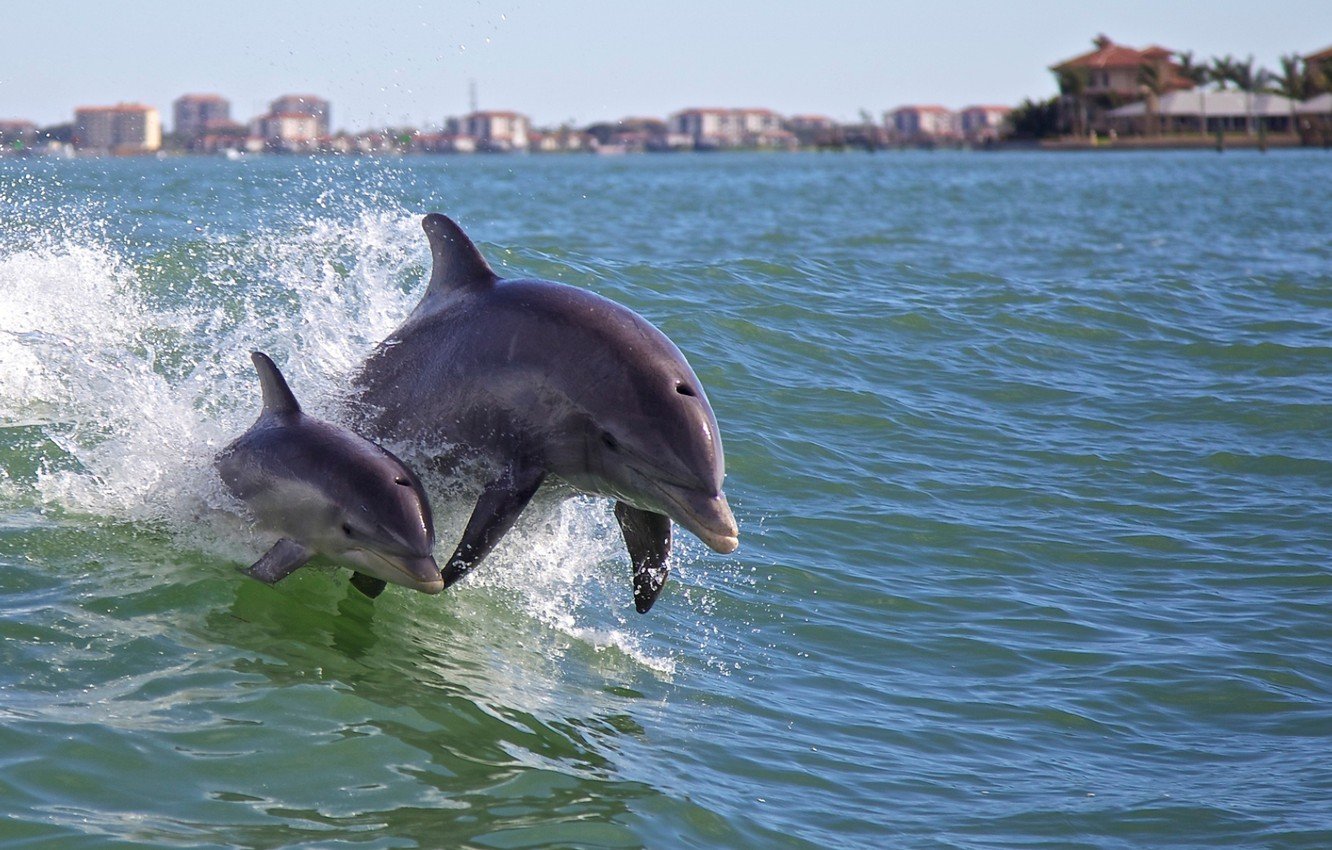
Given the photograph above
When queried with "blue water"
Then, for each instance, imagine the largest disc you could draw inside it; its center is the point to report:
(1031, 456)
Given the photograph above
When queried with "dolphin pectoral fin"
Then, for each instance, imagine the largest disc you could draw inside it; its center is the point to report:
(495, 513)
(286, 557)
(369, 585)
(648, 537)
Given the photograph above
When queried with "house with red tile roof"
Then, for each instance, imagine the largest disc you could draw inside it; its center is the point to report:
(1324, 55)
(1115, 69)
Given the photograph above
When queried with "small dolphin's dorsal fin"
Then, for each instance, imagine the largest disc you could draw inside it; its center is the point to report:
(456, 264)
(278, 397)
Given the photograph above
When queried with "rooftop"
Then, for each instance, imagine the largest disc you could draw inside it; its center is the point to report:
(1215, 104)
(929, 107)
(119, 107)
(1110, 55)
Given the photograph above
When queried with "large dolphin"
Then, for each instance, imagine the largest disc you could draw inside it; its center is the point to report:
(328, 491)
(541, 380)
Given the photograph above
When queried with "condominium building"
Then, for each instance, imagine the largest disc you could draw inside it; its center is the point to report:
(126, 128)
(196, 114)
(918, 123)
(499, 132)
(288, 131)
(727, 128)
(303, 104)
(983, 123)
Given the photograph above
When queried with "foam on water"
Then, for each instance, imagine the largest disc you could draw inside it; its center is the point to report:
(137, 382)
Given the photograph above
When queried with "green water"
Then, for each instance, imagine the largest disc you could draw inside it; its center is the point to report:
(1031, 456)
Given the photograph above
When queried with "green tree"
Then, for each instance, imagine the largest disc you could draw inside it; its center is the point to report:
(1190, 70)
(1035, 120)
(1073, 90)
(1221, 71)
(1152, 84)
(1293, 80)
(1245, 78)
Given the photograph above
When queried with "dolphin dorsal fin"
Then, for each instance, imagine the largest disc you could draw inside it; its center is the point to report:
(278, 397)
(456, 264)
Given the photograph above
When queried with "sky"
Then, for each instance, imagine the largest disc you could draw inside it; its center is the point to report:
(582, 61)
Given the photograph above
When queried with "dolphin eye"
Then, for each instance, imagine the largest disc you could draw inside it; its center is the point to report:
(347, 529)
(608, 440)
(402, 482)
(684, 389)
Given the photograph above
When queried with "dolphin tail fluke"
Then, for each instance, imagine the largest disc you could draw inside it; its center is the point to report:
(648, 537)
(286, 557)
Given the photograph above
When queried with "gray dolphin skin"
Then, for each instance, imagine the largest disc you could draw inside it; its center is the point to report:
(328, 491)
(542, 380)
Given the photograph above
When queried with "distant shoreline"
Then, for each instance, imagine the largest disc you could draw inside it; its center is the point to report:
(1121, 145)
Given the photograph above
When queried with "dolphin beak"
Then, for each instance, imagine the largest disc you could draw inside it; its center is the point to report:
(415, 572)
(709, 518)
(425, 572)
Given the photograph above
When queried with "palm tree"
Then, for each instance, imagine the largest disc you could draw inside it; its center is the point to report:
(1190, 70)
(1152, 83)
(1293, 81)
(1222, 71)
(1073, 86)
(1246, 80)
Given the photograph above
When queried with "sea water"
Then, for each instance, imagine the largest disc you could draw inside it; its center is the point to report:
(1031, 456)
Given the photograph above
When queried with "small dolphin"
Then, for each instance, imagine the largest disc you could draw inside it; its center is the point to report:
(328, 491)
(540, 379)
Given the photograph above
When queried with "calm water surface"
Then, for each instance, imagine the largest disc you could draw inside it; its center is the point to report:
(1032, 457)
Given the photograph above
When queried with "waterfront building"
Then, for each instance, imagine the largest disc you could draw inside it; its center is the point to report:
(497, 131)
(17, 135)
(928, 123)
(288, 131)
(708, 127)
(1314, 119)
(445, 143)
(196, 114)
(983, 123)
(810, 123)
(815, 130)
(1116, 69)
(711, 128)
(1321, 60)
(304, 104)
(1201, 111)
(1319, 105)
(126, 128)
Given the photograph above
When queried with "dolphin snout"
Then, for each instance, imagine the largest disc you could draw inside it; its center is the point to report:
(415, 572)
(708, 517)
(425, 573)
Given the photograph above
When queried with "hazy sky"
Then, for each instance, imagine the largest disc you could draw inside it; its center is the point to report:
(589, 60)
